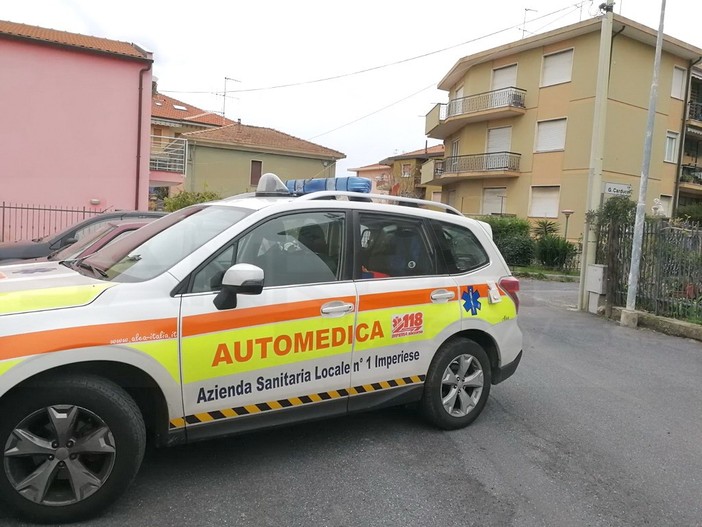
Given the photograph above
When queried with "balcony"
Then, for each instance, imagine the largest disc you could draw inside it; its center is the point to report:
(492, 165)
(167, 154)
(691, 180)
(445, 119)
(695, 111)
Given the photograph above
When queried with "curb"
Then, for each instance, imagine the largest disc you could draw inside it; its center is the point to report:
(547, 277)
(669, 326)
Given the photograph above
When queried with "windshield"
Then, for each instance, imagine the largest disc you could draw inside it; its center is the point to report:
(158, 246)
(72, 251)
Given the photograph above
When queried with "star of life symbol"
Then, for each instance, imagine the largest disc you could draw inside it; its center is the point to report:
(471, 299)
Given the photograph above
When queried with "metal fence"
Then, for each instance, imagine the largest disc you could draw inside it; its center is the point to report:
(31, 222)
(670, 279)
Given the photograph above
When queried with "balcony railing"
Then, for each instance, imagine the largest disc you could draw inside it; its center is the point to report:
(485, 101)
(447, 118)
(497, 161)
(696, 111)
(691, 174)
(168, 154)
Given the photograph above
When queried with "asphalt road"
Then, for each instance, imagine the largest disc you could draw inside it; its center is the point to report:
(600, 426)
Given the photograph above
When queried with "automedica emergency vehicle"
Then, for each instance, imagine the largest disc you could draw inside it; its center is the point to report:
(260, 310)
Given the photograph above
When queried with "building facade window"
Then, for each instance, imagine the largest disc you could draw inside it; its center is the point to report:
(667, 204)
(557, 68)
(550, 135)
(678, 88)
(505, 77)
(494, 200)
(406, 169)
(671, 147)
(544, 202)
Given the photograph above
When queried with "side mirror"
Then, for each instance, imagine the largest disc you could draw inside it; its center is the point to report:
(243, 279)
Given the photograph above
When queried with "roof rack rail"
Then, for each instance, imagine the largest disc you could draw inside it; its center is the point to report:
(400, 200)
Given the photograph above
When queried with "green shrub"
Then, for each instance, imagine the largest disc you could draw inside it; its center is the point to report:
(516, 249)
(511, 235)
(187, 198)
(618, 209)
(690, 213)
(506, 225)
(554, 252)
(544, 228)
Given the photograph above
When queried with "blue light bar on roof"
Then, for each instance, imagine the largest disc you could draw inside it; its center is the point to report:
(346, 183)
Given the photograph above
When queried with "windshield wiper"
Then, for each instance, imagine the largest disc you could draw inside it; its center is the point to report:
(80, 264)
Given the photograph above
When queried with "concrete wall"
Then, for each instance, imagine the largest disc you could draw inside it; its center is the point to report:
(70, 129)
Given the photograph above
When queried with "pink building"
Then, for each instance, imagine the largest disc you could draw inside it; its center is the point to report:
(75, 120)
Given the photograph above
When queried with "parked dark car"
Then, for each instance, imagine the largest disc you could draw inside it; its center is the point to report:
(90, 243)
(41, 247)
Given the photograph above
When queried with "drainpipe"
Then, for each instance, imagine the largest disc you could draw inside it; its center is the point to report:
(138, 152)
(683, 132)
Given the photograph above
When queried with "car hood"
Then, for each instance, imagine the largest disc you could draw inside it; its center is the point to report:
(45, 285)
(23, 250)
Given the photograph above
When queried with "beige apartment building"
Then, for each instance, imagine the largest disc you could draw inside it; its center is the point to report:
(518, 127)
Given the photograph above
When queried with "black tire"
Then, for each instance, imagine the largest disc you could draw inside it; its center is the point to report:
(102, 436)
(447, 402)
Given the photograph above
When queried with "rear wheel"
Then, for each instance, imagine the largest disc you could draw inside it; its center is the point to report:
(71, 445)
(457, 385)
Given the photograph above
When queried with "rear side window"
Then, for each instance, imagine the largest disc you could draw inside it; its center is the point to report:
(461, 249)
(394, 246)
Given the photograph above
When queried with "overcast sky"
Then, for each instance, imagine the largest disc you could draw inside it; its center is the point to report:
(265, 43)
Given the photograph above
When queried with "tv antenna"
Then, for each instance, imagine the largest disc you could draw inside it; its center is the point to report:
(526, 9)
(224, 98)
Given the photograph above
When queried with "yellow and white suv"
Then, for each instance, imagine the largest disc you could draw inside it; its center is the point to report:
(242, 314)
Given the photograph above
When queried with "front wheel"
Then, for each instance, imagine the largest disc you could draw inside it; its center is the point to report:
(71, 445)
(457, 385)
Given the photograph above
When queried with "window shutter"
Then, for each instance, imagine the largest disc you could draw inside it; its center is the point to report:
(499, 139)
(544, 202)
(678, 89)
(557, 68)
(492, 202)
(550, 135)
(504, 77)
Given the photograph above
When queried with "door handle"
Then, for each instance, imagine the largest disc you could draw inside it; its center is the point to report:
(441, 296)
(337, 308)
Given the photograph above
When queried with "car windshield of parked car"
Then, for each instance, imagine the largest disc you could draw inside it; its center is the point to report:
(158, 246)
(70, 252)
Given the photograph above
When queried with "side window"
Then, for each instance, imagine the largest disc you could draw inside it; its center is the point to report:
(88, 230)
(394, 246)
(293, 249)
(461, 249)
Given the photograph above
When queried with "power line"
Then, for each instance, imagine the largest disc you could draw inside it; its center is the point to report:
(387, 65)
(426, 87)
(374, 112)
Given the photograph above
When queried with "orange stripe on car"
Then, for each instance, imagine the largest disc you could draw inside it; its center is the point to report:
(254, 316)
(25, 344)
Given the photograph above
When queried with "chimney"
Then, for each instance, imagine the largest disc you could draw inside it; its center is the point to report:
(154, 86)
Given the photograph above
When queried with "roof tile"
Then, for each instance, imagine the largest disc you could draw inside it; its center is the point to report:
(53, 36)
(254, 136)
(165, 107)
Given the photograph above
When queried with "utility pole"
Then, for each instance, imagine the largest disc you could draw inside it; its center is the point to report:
(599, 123)
(629, 317)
